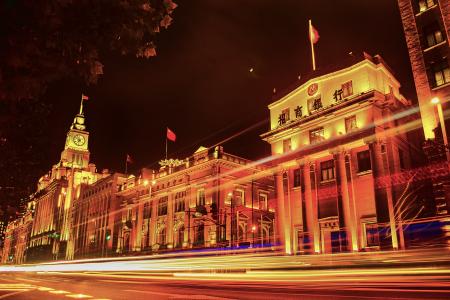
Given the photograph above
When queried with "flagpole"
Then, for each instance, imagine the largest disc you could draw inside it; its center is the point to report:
(166, 146)
(81, 105)
(312, 46)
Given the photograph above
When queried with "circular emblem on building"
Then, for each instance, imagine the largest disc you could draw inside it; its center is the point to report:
(312, 89)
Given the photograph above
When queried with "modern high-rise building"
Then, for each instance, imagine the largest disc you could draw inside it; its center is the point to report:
(426, 24)
(339, 145)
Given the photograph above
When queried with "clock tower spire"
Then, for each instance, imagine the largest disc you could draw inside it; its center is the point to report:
(76, 152)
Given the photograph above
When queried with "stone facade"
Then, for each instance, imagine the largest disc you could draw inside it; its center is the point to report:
(334, 153)
(211, 199)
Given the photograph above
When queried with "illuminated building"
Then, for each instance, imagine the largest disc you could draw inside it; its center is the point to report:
(8, 243)
(3, 225)
(338, 139)
(55, 193)
(93, 215)
(426, 25)
(210, 199)
(17, 237)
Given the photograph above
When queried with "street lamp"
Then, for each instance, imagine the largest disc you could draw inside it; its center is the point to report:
(438, 104)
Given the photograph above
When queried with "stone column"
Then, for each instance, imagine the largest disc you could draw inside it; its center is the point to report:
(169, 221)
(312, 221)
(347, 204)
(154, 216)
(227, 220)
(190, 207)
(282, 222)
(289, 206)
(382, 186)
(139, 217)
(297, 213)
(186, 221)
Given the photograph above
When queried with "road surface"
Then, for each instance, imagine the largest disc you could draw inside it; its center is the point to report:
(419, 274)
(103, 285)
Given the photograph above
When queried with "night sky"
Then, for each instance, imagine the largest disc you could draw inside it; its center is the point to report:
(199, 84)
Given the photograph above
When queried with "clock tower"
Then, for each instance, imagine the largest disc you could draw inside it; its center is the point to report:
(76, 152)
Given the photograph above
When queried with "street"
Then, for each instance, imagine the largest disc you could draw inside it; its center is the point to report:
(390, 275)
(136, 286)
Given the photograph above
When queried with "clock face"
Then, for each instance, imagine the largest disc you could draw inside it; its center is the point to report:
(78, 140)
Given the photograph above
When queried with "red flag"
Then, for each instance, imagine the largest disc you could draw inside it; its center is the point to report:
(129, 159)
(84, 97)
(313, 34)
(171, 135)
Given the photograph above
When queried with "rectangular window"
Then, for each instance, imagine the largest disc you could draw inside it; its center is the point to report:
(364, 161)
(287, 145)
(347, 89)
(129, 214)
(441, 72)
(434, 37)
(179, 201)
(238, 197)
(316, 135)
(162, 206)
(262, 201)
(297, 175)
(327, 170)
(350, 124)
(201, 199)
(425, 4)
(147, 210)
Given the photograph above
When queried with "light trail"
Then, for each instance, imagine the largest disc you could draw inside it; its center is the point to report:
(242, 263)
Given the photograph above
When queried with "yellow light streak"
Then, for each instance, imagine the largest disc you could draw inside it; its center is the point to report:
(59, 292)
(79, 296)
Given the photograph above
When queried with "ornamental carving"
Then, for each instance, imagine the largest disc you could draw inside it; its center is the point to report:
(171, 162)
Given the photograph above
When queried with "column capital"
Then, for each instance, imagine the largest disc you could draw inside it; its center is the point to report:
(338, 150)
(279, 170)
(374, 140)
(303, 161)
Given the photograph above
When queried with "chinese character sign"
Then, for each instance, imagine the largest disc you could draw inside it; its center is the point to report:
(282, 119)
(298, 111)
